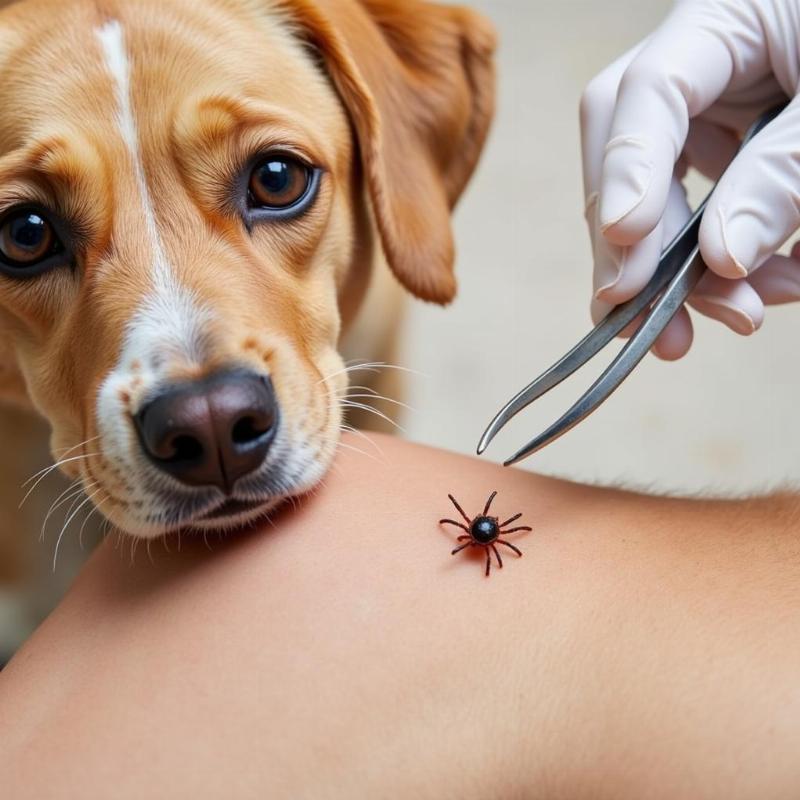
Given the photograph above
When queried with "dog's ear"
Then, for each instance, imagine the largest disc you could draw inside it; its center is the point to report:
(417, 79)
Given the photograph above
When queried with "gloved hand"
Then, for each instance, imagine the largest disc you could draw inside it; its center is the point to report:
(682, 98)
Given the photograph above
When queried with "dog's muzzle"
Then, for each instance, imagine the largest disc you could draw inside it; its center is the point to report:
(210, 432)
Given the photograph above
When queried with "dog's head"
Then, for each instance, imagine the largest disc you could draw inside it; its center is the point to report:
(191, 198)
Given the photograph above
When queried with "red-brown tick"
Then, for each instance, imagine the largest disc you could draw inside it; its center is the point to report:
(485, 531)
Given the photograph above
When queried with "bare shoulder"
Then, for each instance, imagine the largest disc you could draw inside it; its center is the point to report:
(656, 637)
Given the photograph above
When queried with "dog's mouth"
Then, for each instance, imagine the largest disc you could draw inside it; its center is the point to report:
(230, 509)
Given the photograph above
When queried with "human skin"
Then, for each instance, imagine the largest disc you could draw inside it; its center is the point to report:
(642, 648)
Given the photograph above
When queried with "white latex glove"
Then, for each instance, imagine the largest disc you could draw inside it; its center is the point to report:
(683, 98)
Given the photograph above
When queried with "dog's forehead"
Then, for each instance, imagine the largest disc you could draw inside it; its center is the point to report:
(96, 89)
(55, 62)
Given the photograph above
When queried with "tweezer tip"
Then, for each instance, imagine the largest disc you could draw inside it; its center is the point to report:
(525, 452)
(487, 437)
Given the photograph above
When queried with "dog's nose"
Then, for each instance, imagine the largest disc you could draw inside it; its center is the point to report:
(213, 431)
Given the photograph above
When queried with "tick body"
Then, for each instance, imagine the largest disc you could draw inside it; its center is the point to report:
(485, 531)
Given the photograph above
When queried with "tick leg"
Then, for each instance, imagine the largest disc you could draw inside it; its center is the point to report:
(459, 549)
(489, 502)
(453, 522)
(514, 530)
(508, 544)
(509, 521)
(488, 562)
(462, 538)
(499, 560)
(460, 510)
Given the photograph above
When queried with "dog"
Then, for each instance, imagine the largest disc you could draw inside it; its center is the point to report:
(197, 202)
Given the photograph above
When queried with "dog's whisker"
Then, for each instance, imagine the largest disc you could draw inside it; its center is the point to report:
(363, 388)
(66, 524)
(335, 375)
(94, 511)
(378, 397)
(357, 450)
(336, 443)
(42, 474)
(66, 451)
(376, 366)
(69, 488)
(350, 429)
(368, 366)
(72, 493)
(375, 411)
(59, 463)
(77, 496)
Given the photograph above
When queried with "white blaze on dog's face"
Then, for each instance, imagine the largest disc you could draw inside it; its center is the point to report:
(184, 223)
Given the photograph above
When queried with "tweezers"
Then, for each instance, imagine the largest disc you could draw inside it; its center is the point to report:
(679, 270)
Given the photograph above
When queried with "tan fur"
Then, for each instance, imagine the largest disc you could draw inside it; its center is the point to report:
(392, 98)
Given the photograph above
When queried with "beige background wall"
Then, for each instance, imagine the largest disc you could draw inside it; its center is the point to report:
(722, 418)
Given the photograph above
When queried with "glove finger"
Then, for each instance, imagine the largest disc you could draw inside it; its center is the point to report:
(673, 342)
(685, 66)
(733, 303)
(676, 213)
(632, 267)
(777, 281)
(740, 105)
(756, 205)
(710, 148)
(676, 339)
(596, 114)
(607, 257)
(628, 268)
(600, 310)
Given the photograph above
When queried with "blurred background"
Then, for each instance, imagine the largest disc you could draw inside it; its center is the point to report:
(723, 419)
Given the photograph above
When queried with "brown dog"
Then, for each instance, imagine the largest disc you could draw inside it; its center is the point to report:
(194, 201)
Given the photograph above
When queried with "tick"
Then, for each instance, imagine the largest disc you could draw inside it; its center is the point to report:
(485, 531)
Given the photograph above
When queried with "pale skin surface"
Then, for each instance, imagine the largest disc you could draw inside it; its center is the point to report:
(641, 648)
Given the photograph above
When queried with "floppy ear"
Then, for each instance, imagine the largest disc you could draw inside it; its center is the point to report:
(418, 82)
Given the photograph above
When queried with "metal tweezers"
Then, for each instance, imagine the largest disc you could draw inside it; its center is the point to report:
(679, 270)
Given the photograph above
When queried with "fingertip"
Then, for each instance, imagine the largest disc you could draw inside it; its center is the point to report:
(626, 232)
(608, 264)
(633, 190)
(733, 303)
(754, 208)
(778, 280)
(716, 245)
(635, 267)
(736, 319)
(676, 339)
(600, 310)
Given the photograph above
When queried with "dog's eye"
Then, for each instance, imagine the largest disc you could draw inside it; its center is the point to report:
(279, 182)
(27, 241)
